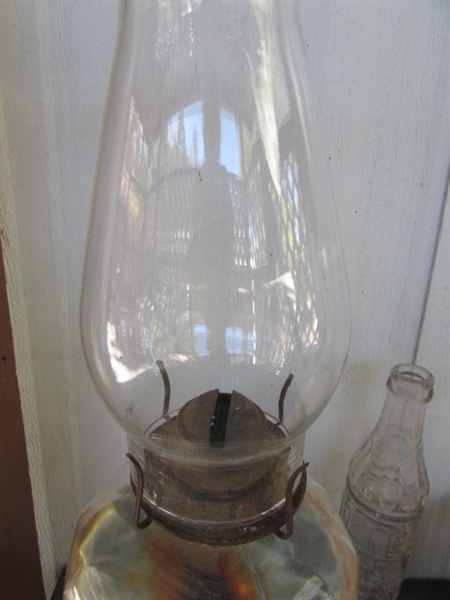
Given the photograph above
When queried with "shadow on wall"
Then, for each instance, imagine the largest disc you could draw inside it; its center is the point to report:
(435, 517)
(345, 423)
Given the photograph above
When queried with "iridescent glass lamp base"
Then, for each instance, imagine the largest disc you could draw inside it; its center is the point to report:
(111, 558)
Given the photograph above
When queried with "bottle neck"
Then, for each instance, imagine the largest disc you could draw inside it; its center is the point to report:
(410, 388)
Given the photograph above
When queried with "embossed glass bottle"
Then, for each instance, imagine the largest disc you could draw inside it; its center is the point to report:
(387, 485)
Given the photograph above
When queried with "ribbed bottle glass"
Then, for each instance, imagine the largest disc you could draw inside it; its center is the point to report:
(387, 485)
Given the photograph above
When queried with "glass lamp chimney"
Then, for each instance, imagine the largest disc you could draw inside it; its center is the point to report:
(214, 314)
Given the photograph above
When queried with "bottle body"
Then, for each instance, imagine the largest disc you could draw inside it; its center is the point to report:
(387, 485)
(383, 546)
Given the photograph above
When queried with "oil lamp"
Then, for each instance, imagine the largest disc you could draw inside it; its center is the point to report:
(214, 311)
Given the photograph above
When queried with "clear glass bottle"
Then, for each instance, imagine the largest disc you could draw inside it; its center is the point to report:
(387, 485)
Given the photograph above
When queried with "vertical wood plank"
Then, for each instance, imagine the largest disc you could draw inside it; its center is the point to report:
(20, 566)
(381, 72)
(49, 145)
(433, 352)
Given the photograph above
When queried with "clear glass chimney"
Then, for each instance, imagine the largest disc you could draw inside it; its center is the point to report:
(215, 315)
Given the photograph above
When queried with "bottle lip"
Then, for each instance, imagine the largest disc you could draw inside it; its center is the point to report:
(413, 374)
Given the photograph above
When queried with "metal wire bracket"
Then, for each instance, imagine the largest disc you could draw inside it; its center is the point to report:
(139, 493)
(283, 393)
(293, 499)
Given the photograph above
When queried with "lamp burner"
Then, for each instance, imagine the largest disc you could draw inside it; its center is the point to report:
(199, 485)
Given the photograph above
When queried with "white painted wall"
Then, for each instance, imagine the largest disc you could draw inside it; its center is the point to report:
(381, 71)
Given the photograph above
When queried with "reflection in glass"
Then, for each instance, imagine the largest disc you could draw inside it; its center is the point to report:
(213, 248)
